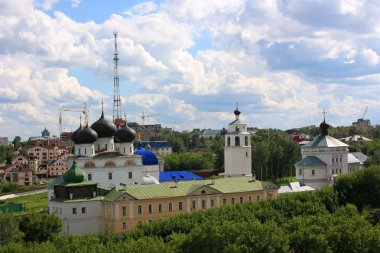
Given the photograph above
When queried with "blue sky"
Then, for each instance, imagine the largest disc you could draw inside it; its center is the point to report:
(189, 61)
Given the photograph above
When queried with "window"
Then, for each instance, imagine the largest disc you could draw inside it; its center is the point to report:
(124, 225)
(299, 171)
(89, 176)
(212, 203)
(150, 208)
(232, 200)
(241, 200)
(193, 204)
(160, 208)
(130, 175)
(249, 199)
(258, 197)
(98, 147)
(124, 149)
(340, 159)
(180, 206)
(203, 192)
(106, 146)
(333, 160)
(150, 221)
(109, 176)
(313, 172)
(74, 210)
(83, 210)
(85, 151)
(139, 209)
(237, 129)
(224, 201)
(203, 203)
(170, 207)
(228, 141)
(246, 140)
(124, 211)
(237, 141)
(340, 171)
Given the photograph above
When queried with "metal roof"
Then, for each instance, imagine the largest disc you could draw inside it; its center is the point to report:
(352, 159)
(359, 155)
(178, 175)
(184, 188)
(311, 161)
(324, 141)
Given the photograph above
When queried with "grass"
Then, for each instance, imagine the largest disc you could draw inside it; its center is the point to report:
(32, 203)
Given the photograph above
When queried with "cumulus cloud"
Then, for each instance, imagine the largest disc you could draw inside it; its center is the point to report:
(191, 61)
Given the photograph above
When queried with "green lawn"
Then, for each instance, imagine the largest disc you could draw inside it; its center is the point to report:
(32, 203)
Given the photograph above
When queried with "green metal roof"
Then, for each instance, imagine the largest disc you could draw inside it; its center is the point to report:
(75, 174)
(184, 188)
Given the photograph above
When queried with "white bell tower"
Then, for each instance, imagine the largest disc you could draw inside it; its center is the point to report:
(237, 149)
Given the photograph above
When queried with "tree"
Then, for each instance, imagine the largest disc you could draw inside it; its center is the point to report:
(9, 231)
(360, 188)
(40, 227)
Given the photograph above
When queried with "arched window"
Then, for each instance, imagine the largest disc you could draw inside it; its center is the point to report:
(237, 141)
(246, 140)
(228, 141)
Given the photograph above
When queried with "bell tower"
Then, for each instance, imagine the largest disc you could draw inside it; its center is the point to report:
(237, 148)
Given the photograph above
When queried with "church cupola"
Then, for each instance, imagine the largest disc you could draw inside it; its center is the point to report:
(75, 174)
(104, 127)
(324, 128)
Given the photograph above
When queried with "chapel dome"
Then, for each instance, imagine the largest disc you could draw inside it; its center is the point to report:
(75, 174)
(324, 128)
(148, 157)
(104, 127)
(74, 136)
(125, 134)
(86, 136)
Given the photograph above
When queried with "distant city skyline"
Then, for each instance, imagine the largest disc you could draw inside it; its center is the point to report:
(189, 61)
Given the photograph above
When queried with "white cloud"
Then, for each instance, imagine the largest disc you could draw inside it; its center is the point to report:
(75, 3)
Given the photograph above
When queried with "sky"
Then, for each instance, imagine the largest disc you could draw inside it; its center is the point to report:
(188, 62)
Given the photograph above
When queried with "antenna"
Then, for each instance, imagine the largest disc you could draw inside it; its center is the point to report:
(116, 96)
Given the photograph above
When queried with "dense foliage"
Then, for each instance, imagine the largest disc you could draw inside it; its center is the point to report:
(273, 154)
(6, 187)
(317, 221)
(361, 188)
(189, 161)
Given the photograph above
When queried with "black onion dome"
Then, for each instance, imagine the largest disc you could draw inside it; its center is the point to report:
(87, 135)
(324, 128)
(125, 134)
(74, 136)
(237, 112)
(104, 127)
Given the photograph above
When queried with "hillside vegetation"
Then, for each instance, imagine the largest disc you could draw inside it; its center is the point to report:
(327, 220)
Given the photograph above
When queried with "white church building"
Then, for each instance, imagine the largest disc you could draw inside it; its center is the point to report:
(323, 159)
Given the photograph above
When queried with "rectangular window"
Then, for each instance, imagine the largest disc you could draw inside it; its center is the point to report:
(203, 203)
(299, 171)
(83, 210)
(150, 209)
(241, 200)
(124, 211)
(249, 199)
(312, 172)
(124, 225)
(160, 208)
(212, 203)
(180, 206)
(258, 197)
(89, 176)
(170, 207)
(130, 175)
(74, 210)
(193, 204)
(139, 209)
(109, 176)
(232, 200)
(224, 201)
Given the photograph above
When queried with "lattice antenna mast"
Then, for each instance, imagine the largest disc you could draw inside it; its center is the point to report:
(116, 96)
